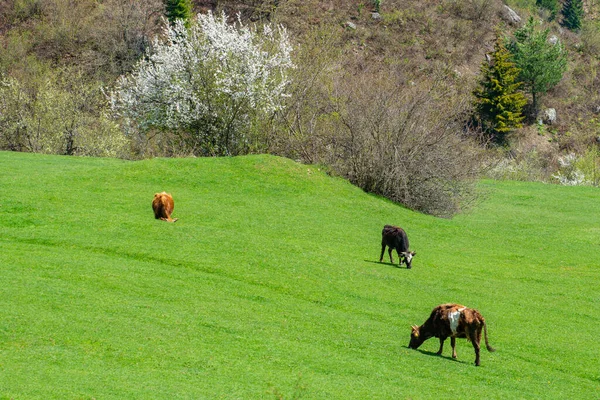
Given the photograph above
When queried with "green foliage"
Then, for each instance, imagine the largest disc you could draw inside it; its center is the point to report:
(573, 14)
(57, 112)
(273, 289)
(541, 63)
(178, 9)
(551, 5)
(499, 102)
(377, 5)
(581, 170)
(589, 165)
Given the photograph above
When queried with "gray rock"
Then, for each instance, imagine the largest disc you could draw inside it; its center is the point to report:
(511, 16)
(548, 116)
(553, 39)
(351, 25)
(376, 16)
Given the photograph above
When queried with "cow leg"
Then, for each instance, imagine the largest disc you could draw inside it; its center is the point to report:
(476, 339)
(453, 344)
(382, 251)
(477, 348)
(442, 339)
(390, 253)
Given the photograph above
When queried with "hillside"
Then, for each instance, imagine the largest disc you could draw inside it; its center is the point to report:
(56, 55)
(269, 285)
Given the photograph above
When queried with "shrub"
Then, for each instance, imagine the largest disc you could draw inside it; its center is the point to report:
(206, 85)
(532, 166)
(58, 114)
(302, 129)
(407, 144)
(583, 170)
(552, 6)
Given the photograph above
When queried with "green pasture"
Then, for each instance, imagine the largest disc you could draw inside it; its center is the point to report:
(269, 285)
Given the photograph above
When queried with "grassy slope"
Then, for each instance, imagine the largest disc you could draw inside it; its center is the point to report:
(268, 285)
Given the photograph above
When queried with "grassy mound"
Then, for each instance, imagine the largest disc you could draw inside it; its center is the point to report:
(269, 285)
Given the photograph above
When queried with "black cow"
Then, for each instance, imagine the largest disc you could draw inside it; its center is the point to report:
(395, 238)
(454, 321)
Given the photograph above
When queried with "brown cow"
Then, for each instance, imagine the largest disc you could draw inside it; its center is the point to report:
(163, 206)
(454, 321)
(395, 238)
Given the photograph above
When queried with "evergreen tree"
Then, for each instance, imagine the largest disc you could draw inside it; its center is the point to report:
(573, 14)
(499, 101)
(178, 9)
(541, 63)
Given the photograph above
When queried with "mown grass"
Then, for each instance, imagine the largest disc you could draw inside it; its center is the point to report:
(269, 285)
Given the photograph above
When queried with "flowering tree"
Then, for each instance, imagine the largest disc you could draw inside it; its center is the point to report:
(207, 84)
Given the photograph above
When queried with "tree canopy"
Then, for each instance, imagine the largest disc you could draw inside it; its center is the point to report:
(573, 14)
(499, 101)
(207, 84)
(541, 63)
(178, 9)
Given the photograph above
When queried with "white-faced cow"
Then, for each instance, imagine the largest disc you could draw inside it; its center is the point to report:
(395, 238)
(454, 321)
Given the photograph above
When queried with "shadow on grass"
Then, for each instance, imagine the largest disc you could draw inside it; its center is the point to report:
(386, 263)
(433, 354)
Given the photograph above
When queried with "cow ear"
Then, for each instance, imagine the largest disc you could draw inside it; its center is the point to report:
(414, 253)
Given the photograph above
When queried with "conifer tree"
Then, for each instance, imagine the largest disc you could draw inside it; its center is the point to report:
(541, 63)
(499, 101)
(573, 14)
(178, 9)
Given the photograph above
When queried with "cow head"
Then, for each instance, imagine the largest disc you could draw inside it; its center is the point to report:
(408, 255)
(415, 338)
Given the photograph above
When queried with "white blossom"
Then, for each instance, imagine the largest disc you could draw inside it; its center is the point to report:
(569, 174)
(209, 77)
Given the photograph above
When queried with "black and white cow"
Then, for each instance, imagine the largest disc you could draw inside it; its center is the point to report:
(395, 238)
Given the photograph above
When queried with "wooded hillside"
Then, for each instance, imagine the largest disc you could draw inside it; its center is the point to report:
(380, 89)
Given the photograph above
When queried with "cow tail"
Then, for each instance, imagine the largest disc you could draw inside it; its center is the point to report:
(485, 335)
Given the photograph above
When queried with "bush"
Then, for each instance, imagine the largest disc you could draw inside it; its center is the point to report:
(409, 145)
(206, 85)
(532, 166)
(58, 113)
(581, 170)
(405, 143)
(551, 5)
(302, 129)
